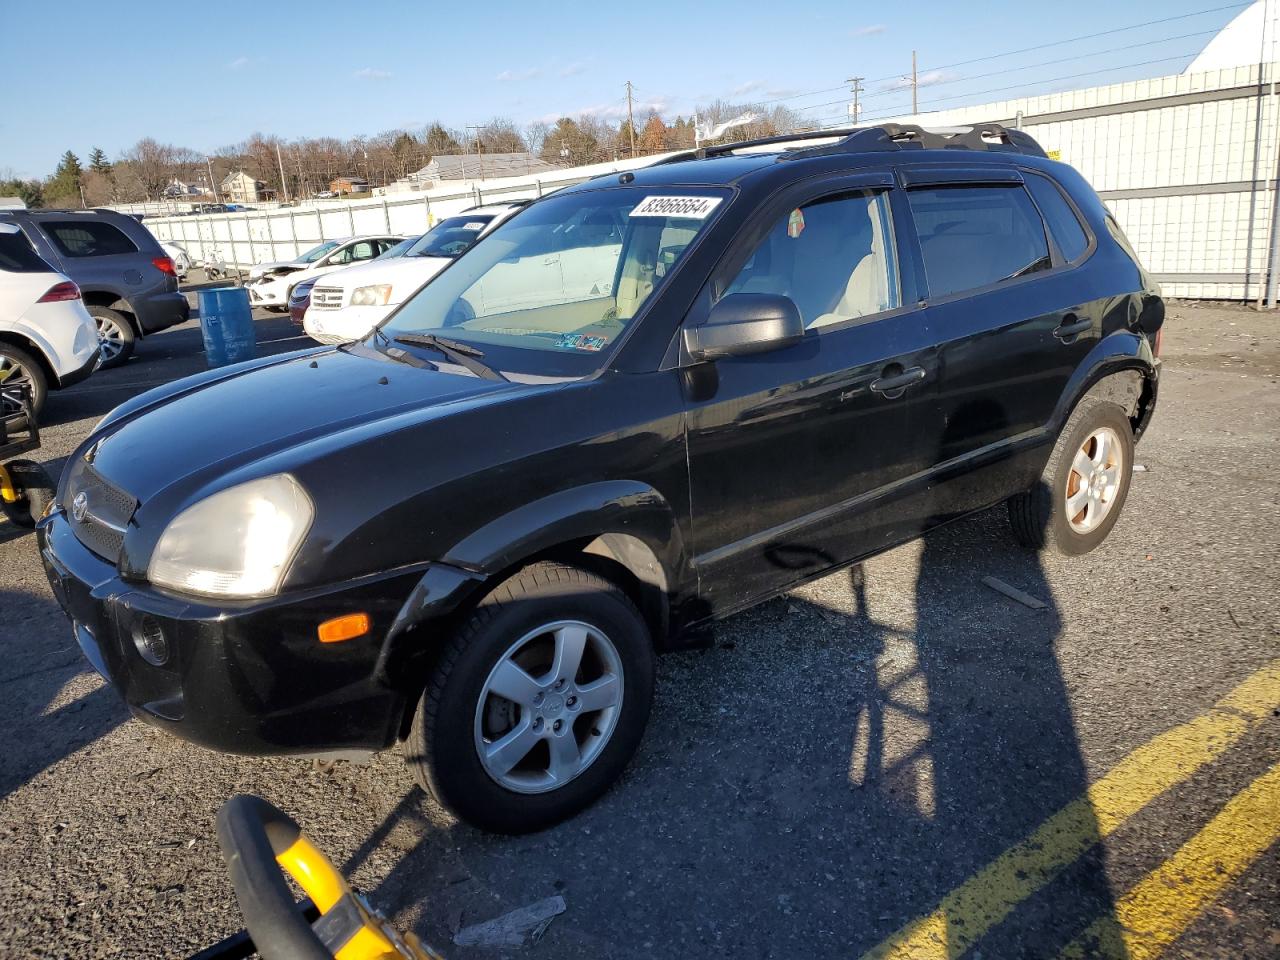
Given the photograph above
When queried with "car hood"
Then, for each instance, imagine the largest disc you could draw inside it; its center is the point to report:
(191, 439)
(405, 274)
(258, 269)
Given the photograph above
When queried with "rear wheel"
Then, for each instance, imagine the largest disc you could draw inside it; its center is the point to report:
(116, 338)
(1083, 486)
(19, 368)
(35, 492)
(537, 703)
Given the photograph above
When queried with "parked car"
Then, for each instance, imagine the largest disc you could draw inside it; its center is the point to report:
(647, 401)
(351, 303)
(178, 254)
(300, 299)
(47, 338)
(129, 284)
(269, 283)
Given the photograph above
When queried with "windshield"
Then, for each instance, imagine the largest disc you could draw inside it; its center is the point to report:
(315, 253)
(552, 289)
(451, 237)
(399, 250)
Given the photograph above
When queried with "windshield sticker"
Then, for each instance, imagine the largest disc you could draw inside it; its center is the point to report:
(686, 208)
(578, 341)
(795, 224)
(474, 225)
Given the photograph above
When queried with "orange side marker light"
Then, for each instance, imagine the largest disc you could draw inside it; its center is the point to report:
(347, 627)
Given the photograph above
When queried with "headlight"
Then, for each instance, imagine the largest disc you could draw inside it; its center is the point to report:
(374, 296)
(236, 543)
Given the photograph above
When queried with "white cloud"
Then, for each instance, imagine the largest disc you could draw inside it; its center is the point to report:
(926, 79)
(573, 69)
(751, 86)
(868, 31)
(508, 75)
(238, 63)
(618, 111)
(372, 73)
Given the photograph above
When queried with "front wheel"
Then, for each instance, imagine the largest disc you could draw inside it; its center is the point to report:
(537, 703)
(1083, 487)
(19, 369)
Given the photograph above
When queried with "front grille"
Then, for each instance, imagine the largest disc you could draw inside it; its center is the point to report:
(326, 298)
(99, 519)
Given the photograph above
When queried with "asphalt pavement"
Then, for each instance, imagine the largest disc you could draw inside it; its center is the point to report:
(896, 760)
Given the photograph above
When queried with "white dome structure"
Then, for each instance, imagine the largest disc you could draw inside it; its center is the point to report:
(1241, 42)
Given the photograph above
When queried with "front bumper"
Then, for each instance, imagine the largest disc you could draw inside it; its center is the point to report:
(244, 677)
(346, 324)
(269, 292)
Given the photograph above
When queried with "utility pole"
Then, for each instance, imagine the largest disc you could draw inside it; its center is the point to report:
(479, 148)
(283, 184)
(631, 122)
(855, 90)
(915, 84)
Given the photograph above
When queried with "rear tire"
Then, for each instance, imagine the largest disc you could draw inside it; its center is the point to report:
(597, 715)
(18, 366)
(116, 337)
(35, 489)
(1082, 490)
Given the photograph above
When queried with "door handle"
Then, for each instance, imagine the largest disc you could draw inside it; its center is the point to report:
(1071, 326)
(894, 385)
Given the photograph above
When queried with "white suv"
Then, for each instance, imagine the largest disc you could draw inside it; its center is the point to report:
(271, 283)
(47, 338)
(349, 304)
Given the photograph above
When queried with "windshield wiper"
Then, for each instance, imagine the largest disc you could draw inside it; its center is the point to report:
(463, 354)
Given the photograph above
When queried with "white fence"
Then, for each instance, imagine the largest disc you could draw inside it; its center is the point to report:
(256, 236)
(1187, 164)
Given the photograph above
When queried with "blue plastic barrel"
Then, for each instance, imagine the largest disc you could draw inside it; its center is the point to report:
(226, 323)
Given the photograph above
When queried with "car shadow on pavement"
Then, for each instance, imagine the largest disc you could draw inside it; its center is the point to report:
(43, 721)
(836, 764)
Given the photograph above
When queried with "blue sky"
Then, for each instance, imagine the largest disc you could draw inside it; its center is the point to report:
(208, 75)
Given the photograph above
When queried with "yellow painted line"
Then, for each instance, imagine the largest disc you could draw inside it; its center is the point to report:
(1154, 913)
(970, 910)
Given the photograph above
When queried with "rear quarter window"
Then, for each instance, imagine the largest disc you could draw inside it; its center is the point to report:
(17, 255)
(1061, 220)
(88, 238)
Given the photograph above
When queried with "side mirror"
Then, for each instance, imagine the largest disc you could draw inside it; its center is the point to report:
(745, 323)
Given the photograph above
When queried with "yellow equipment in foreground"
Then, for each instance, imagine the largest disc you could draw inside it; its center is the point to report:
(258, 842)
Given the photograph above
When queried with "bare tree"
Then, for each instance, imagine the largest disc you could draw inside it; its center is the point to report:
(500, 135)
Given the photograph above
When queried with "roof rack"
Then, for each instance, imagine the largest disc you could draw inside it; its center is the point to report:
(885, 136)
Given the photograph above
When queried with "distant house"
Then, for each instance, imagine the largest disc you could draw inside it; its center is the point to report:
(239, 187)
(472, 166)
(343, 185)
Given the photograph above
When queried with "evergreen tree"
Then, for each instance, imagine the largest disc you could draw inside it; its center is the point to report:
(98, 161)
(63, 188)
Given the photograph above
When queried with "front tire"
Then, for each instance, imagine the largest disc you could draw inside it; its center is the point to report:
(1083, 487)
(537, 703)
(116, 338)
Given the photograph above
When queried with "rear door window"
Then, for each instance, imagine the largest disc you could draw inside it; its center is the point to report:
(87, 238)
(1064, 225)
(974, 236)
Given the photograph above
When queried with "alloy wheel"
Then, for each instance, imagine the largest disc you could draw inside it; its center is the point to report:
(110, 338)
(1094, 479)
(13, 376)
(549, 706)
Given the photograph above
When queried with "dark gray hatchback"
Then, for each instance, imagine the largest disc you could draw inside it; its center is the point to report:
(127, 280)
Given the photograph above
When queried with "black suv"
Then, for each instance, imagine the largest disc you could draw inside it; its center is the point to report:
(644, 402)
(127, 280)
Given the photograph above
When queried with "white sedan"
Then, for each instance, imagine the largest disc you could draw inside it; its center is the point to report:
(50, 340)
(269, 284)
(348, 305)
